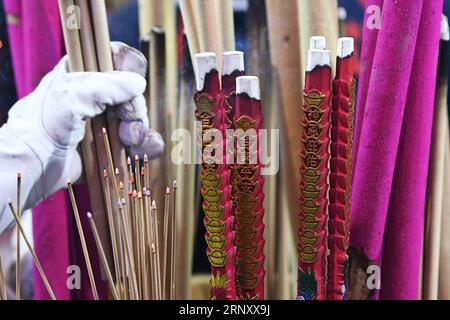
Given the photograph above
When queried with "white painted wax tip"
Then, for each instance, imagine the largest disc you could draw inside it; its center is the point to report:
(318, 58)
(317, 42)
(205, 62)
(342, 14)
(445, 33)
(232, 61)
(345, 47)
(248, 85)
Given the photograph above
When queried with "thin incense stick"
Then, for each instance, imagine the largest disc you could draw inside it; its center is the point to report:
(166, 243)
(3, 295)
(82, 240)
(156, 251)
(33, 253)
(112, 228)
(173, 242)
(103, 257)
(18, 267)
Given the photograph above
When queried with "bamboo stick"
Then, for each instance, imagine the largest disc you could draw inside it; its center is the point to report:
(434, 210)
(103, 257)
(208, 28)
(188, 12)
(225, 18)
(82, 240)
(105, 63)
(33, 253)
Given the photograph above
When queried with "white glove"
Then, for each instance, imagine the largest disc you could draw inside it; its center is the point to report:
(44, 129)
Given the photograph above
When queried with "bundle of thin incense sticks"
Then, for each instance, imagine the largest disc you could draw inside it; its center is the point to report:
(143, 258)
(324, 231)
(232, 191)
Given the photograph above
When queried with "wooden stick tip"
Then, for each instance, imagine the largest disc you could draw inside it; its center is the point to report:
(129, 161)
(9, 201)
(89, 215)
(167, 191)
(69, 182)
(121, 186)
(105, 173)
(117, 171)
(104, 131)
(136, 158)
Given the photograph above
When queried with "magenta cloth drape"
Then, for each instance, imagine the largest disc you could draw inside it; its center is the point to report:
(392, 144)
(405, 220)
(36, 46)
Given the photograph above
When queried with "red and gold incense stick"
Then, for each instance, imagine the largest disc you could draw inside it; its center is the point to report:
(314, 175)
(249, 195)
(215, 177)
(341, 169)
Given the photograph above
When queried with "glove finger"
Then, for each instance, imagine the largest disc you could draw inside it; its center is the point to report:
(152, 146)
(135, 110)
(133, 132)
(94, 90)
(127, 58)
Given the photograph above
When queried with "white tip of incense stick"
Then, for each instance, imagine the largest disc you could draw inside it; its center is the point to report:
(89, 215)
(68, 181)
(104, 130)
(175, 184)
(117, 171)
(105, 173)
(136, 157)
(139, 195)
(128, 160)
(205, 62)
(248, 85)
(145, 158)
(232, 61)
(9, 201)
(317, 42)
(153, 204)
(445, 33)
(121, 186)
(345, 47)
(342, 14)
(167, 190)
(318, 58)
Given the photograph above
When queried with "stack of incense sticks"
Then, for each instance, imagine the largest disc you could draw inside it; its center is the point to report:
(342, 118)
(314, 172)
(250, 272)
(215, 177)
(143, 258)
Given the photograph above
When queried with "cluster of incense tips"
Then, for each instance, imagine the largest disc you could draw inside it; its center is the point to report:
(232, 192)
(143, 258)
(342, 118)
(314, 172)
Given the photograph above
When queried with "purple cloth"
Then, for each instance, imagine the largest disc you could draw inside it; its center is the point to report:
(381, 124)
(405, 220)
(369, 39)
(37, 45)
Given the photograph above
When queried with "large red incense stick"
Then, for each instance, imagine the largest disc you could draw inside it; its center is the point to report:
(249, 195)
(215, 181)
(314, 173)
(341, 169)
(233, 67)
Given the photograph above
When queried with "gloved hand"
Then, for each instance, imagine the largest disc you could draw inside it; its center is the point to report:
(44, 129)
